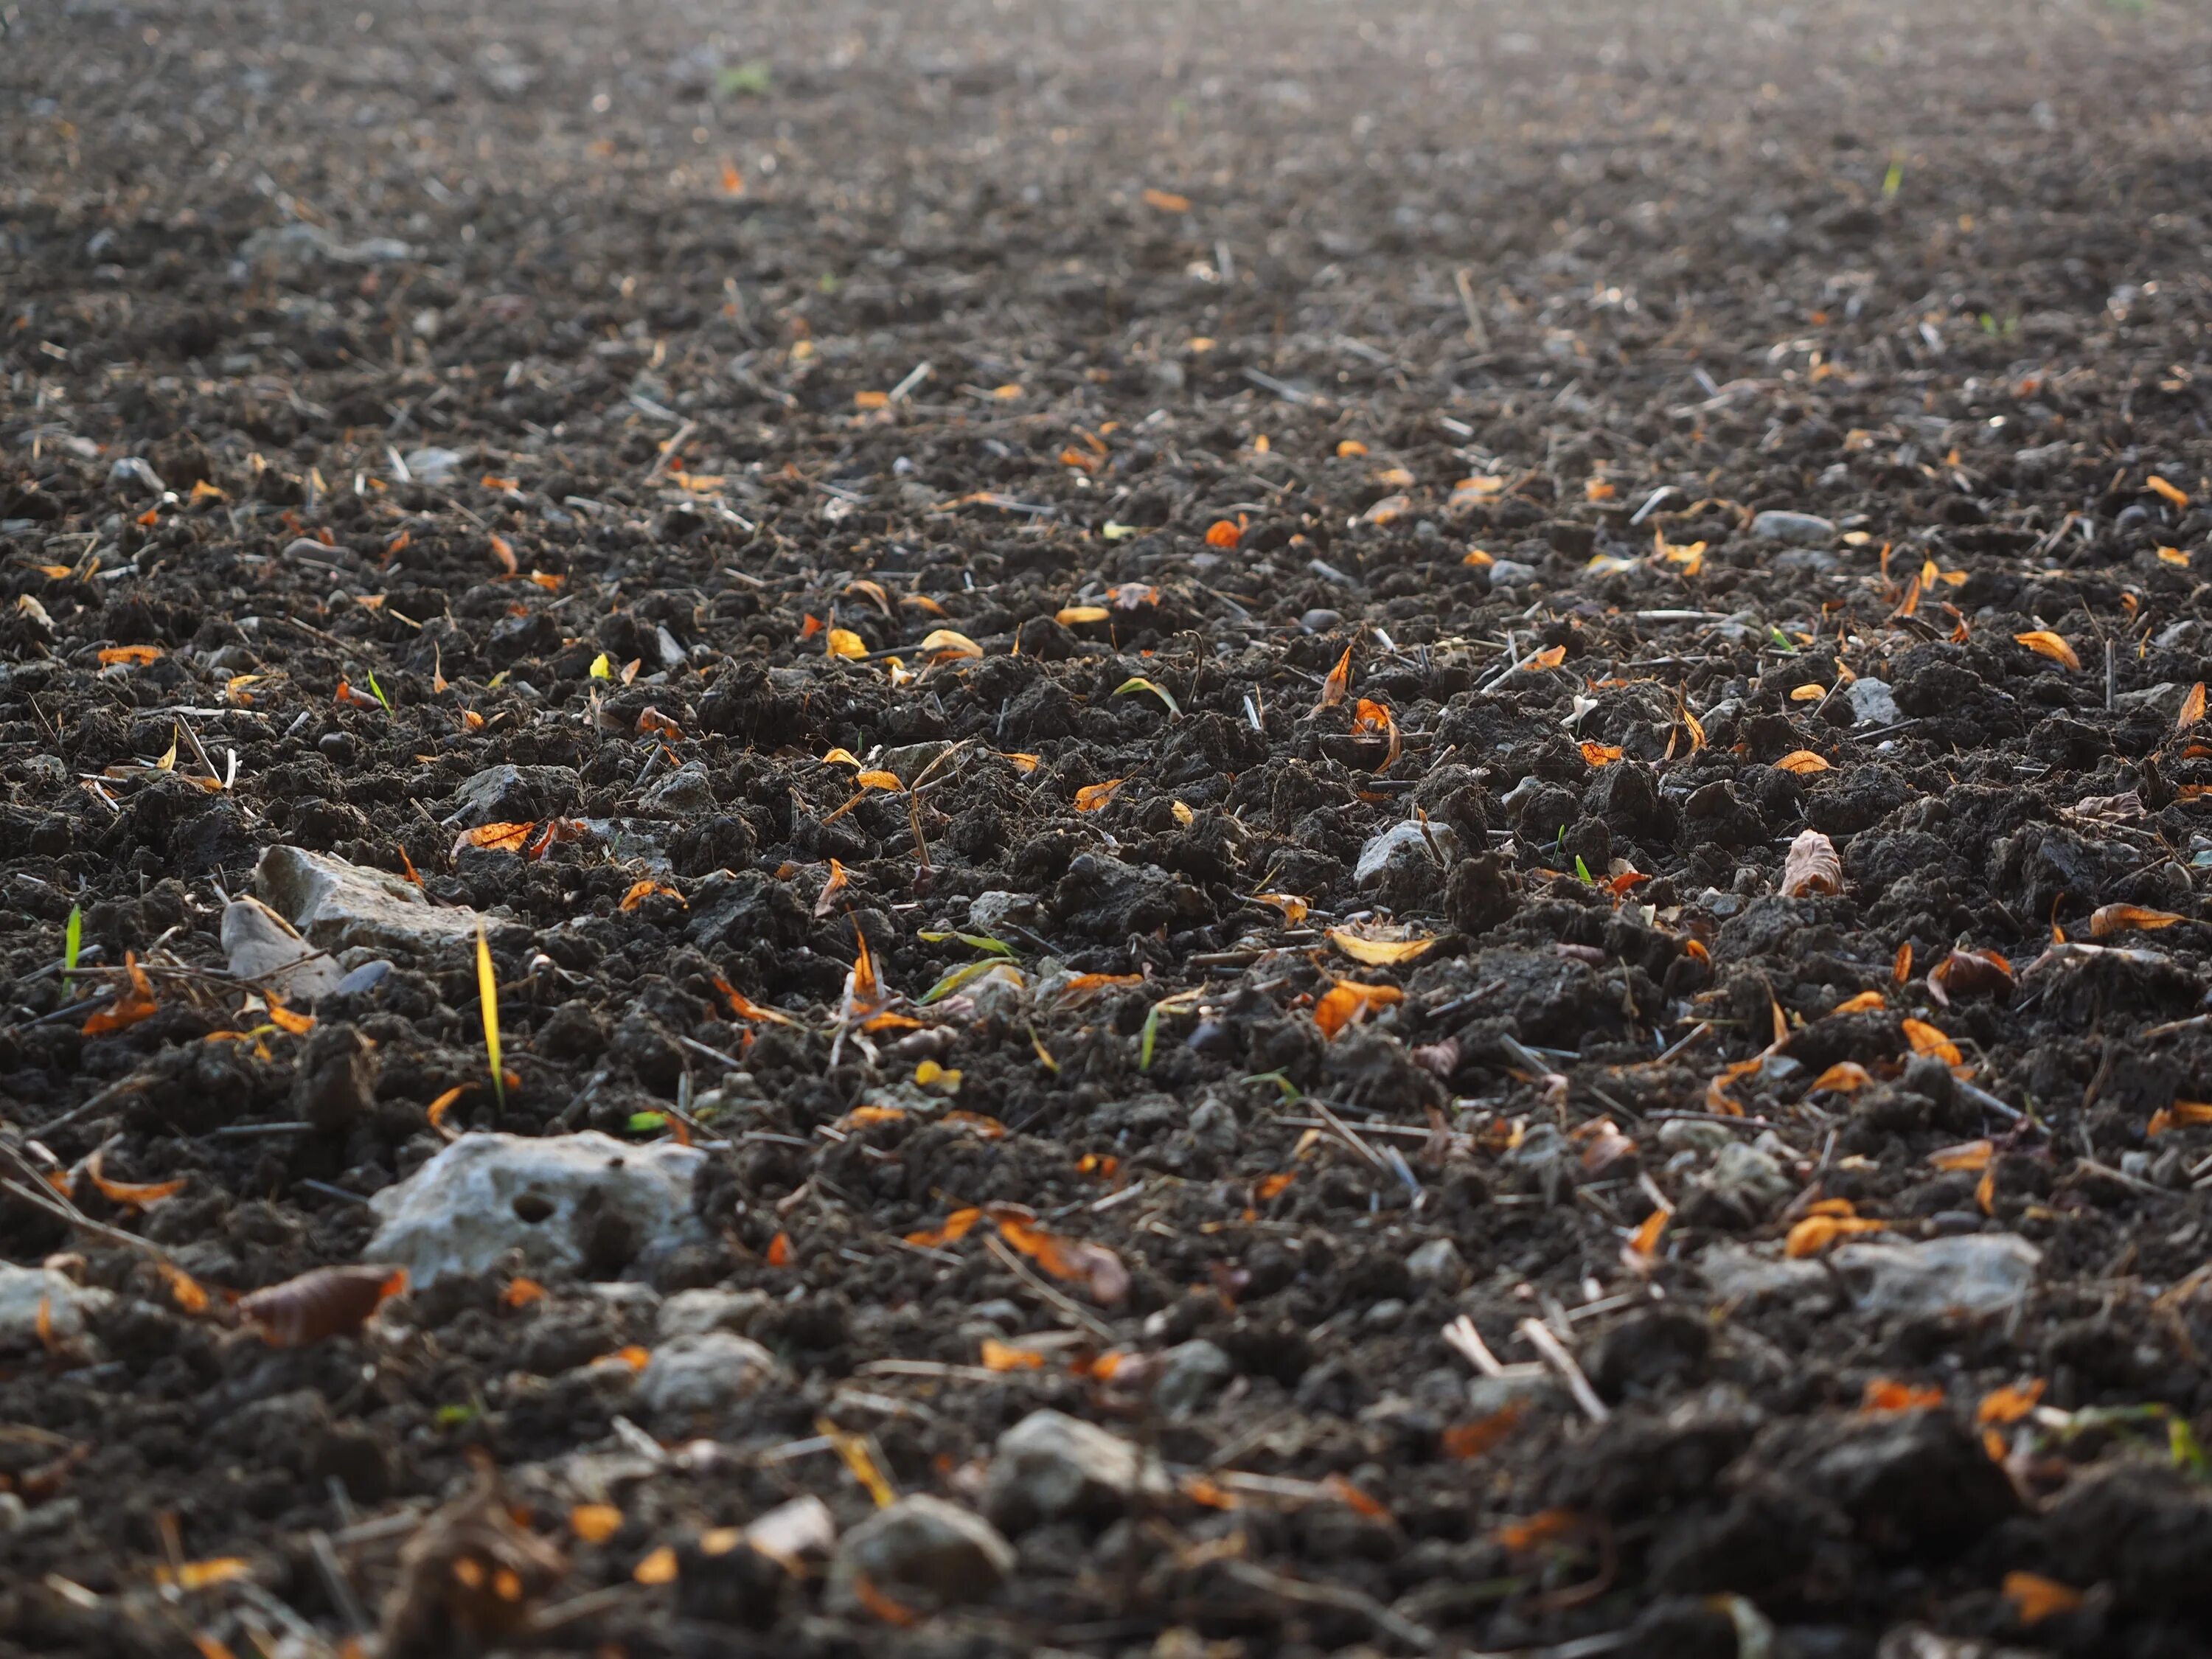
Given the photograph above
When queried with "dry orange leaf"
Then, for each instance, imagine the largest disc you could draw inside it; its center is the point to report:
(956, 1226)
(1211, 1493)
(443, 1105)
(522, 1293)
(136, 1195)
(2033, 1597)
(658, 1568)
(844, 642)
(1294, 909)
(1802, 761)
(595, 1522)
(183, 1287)
(1886, 1393)
(1815, 1233)
(2171, 494)
(1223, 534)
(837, 883)
(1075, 615)
(503, 552)
(1093, 796)
(2119, 918)
(1968, 1156)
(202, 1575)
(1550, 657)
(1546, 1527)
(1022, 764)
(946, 645)
(1072, 1259)
(495, 838)
(1865, 1002)
(1985, 1191)
(1379, 952)
(1004, 1357)
(2010, 1403)
(1358, 1502)
(1644, 1240)
(137, 1002)
(1337, 686)
(779, 1250)
(1346, 1003)
(1927, 1039)
(1900, 967)
(643, 890)
(1463, 1440)
(1812, 693)
(2192, 708)
(1600, 754)
(1166, 201)
(1272, 1187)
(324, 1302)
(2044, 643)
(137, 656)
(1812, 866)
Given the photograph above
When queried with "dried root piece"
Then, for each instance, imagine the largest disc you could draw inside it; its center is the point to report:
(1812, 866)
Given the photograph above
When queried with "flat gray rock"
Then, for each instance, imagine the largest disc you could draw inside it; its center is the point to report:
(263, 948)
(704, 1373)
(1050, 1464)
(1797, 529)
(920, 1549)
(336, 905)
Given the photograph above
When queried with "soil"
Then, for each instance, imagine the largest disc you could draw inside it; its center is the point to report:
(1148, 350)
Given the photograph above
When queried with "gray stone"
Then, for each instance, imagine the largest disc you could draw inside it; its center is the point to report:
(705, 1373)
(507, 793)
(1739, 1273)
(360, 981)
(1050, 1465)
(1507, 574)
(336, 904)
(263, 948)
(1214, 1126)
(693, 1313)
(1320, 620)
(1979, 1273)
(2164, 700)
(68, 1303)
(1872, 703)
(685, 791)
(991, 911)
(1679, 1134)
(1798, 529)
(920, 1550)
(1407, 844)
(1806, 561)
(1747, 1181)
(1191, 1373)
(432, 465)
(132, 472)
(1438, 1266)
(998, 993)
(567, 1203)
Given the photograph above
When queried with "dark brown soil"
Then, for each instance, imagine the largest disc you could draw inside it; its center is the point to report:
(744, 325)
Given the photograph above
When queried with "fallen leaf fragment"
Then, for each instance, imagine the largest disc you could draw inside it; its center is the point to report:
(2111, 918)
(1967, 1156)
(1600, 754)
(595, 1522)
(1865, 1002)
(1926, 1039)
(2173, 495)
(946, 645)
(1966, 973)
(1166, 201)
(2010, 1403)
(999, 1356)
(2044, 643)
(1093, 796)
(133, 1195)
(135, 656)
(2033, 1597)
(1337, 686)
(1347, 1002)
(643, 890)
(1069, 1259)
(1379, 952)
(1076, 616)
(1224, 533)
(1886, 1393)
(1812, 866)
(956, 1226)
(495, 838)
(203, 1575)
(844, 642)
(1815, 1233)
(658, 1568)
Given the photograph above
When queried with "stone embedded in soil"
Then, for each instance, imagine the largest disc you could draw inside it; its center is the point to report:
(334, 1080)
(706, 1373)
(1405, 849)
(687, 790)
(922, 1548)
(1744, 1184)
(696, 1312)
(339, 905)
(68, 1303)
(583, 1203)
(261, 948)
(1050, 1465)
(1798, 529)
(1979, 1273)
(1438, 1265)
(1191, 1373)
(507, 793)
(1871, 703)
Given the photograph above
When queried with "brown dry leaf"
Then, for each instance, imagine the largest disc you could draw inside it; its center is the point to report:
(1600, 754)
(595, 1522)
(1021, 762)
(134, 1194)
(1380, 952)
(137, 656)
(1075, 615)
(844, 642)
(1815, 1233)
(1347, 1002)
(1166, 201)
(1812, 866)
(1337, 686)
(2010, 1403)
(1966, 1158)
(1072, 1259)
(1088, 985)
(837, 883)
(2111, 918)
(1644, 1240)
(879, 779)
(956, 1226)
(183, 1287)
(1985, 1191)
(999, 1356)
(1965, 973)
(1093, 796)
(1802, 761)
(1812, 693)
(504, 554)
(1369, 717)
(1884, 1395)
(658, 1568)
(520, 1292)
(947, 645)
(1927, 1039)
(137, 1002)
(2033, 1597)
(1358, 1501)
(325, 1303)
(1716, 1095)
(495, 838)
(2173, 495)
(203, 1575)
(1865, 1002)
(1294, 909)
(2192, 708)
(1550, 657)
(2044, 643)
(1463, 1440)
(444, 1104)
(643, 890)
(1388, 510)
(1900, 967)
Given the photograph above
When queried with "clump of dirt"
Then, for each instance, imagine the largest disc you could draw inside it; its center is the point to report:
(1355, 832)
